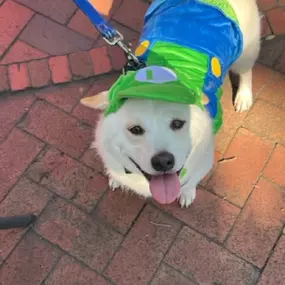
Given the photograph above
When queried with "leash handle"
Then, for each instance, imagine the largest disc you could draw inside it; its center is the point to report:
(16, 221)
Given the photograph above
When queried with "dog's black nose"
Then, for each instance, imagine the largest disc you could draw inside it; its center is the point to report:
(163, 161)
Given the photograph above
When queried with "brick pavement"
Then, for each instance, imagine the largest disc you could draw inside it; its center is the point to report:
(51, 57)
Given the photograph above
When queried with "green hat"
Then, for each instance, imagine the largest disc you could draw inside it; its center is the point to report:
(152, 82)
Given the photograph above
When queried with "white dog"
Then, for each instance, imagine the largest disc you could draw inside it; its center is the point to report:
(157, 134)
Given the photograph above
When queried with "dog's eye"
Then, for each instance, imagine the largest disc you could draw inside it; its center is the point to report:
(136, 130)
(177, 124)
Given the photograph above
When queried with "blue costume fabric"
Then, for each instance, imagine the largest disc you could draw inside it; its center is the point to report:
(198, 40)
(203, 26)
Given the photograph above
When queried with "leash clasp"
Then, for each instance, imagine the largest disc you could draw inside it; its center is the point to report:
(133, 63)
(130, 55)
(118, 39)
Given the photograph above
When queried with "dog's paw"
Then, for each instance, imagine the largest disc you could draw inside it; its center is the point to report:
(187, 197)
(243, 100)
(114, 184)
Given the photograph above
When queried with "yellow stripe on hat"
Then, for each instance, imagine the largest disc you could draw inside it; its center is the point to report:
(216, 67)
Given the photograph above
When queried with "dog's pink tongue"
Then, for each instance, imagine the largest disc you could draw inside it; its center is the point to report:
(165, 188)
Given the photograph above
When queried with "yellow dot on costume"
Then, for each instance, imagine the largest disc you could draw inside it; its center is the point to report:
(216, 67)
(142, 48)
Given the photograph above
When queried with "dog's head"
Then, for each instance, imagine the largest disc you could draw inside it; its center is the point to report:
(150, 137)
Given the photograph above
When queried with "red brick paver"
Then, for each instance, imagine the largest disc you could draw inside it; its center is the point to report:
(13, 18)
(60, 69)
(16, 153)
(119, 209)
(266, 30)
(80, 64)
(274, 92)
(39, 72)
(12, 109)
(168, 276)
(277, 20)
(267, 121)
(153, 233)
(85, 234)
(275, 168)
(81, 24)
(266, 4)
(65, 97)
(57, 128)
(53, 38)
(129, 16)
(208, 214)
(75, 232)
(19, 76)
(68, 178)
(30, 263)
(235, 180)
(100, 60)
(60, 10)
(24, 197)
(4, 81)
(259, 224)
(76, 273)
(88, 115)
(274, 273)
(20, 52)
(93, 160)
(207, 263)
(280, 65)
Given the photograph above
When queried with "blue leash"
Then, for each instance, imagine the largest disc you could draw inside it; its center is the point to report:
(104, 28)
(109, 33)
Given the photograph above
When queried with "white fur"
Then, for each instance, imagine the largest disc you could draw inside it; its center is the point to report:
(249, 20)
(115, 144)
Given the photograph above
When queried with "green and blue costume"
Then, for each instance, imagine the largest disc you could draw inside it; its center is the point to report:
(188, 47)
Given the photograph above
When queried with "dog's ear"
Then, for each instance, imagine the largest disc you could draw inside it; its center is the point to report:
(97, 102)
(205, 99)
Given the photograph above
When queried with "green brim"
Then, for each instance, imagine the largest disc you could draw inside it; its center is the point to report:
(164, 92)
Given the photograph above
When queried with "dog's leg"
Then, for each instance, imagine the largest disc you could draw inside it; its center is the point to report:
(113, 184)
(243, 67)
(188, 195)
(249, 22)
(244, 99)
(198, 164)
